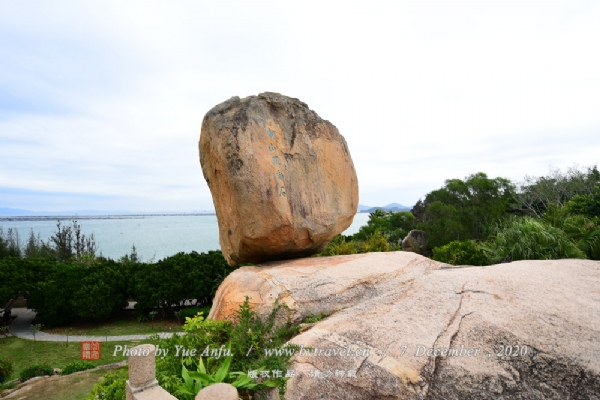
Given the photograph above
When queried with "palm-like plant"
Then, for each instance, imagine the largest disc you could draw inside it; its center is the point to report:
(526, 238)
(194, 381)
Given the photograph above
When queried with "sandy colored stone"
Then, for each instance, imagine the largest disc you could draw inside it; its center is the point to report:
(415, 240)
(154, 393)
(281, 178)
(550, 309)
(218, 391)
(142, 368)
(319, 285)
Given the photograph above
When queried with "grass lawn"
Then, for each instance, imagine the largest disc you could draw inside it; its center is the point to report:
(128, 325)
(70, 387)
(55, 354)
(119, 327)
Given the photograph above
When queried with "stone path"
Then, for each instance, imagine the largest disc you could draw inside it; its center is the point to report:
(20, 328)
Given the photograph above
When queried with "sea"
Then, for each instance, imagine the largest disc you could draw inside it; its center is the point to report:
(154, 236)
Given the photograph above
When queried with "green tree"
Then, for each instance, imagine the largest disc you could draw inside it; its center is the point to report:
(19, 275)
(69, 242)
(52, 298)
(393, 225)
(464, 209)
(443, 224)
(37, 248)
(172, 280)
(536, 194)
(10, 244)
(461, 253)
(102, 292)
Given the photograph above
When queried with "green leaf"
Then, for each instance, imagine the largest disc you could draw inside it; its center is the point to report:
(222, 371)
(271, 383)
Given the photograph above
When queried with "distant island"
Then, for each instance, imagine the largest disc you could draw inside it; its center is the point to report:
(390, 207)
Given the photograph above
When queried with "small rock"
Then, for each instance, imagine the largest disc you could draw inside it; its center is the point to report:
(416, 241)
(218, 391)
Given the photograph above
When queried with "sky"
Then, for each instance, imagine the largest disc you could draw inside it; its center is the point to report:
(101, 103)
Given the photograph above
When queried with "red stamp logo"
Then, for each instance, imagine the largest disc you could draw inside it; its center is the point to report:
(90, 350)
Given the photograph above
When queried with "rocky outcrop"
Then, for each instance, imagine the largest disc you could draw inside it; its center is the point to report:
(282, 179)
(416, 240)
(410, 328)
(319, 285)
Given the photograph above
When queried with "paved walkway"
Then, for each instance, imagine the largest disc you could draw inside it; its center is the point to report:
(20, 328)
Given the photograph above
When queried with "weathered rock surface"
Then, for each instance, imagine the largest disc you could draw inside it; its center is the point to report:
(321, 284)
(523, 330)
(282, 179)
(218, 391)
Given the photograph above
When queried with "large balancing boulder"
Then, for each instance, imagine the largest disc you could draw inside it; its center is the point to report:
(282, 179)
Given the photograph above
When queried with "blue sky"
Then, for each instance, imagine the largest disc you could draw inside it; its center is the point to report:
(101, 102)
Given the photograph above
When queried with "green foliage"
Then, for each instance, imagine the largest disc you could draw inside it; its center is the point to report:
(464, 210)
(590, 243)
(77, 366)
(37, 248)
(202, 332)
(250, 332)
(527, 238)
(536, 194)
(393, 225)
(190, 312)
(171, 281)
(194, 381)
(588, 204)
(99, 288)
(346, 245)
(460, 253)
(77, 289)
(442, 223)
(102, 292)
(246, 338)
(312, 318)
(7, 367)
(580, 228)
(69, 242)
(35, 370)
(111, 387)
(20, 275)
(10, 244)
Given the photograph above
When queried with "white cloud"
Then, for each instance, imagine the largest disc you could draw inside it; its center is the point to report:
(107, 98)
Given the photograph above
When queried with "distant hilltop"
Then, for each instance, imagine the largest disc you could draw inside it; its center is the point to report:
(390, 207)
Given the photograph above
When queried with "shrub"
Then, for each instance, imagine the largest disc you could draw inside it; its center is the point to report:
(341, 245)
(527, 238)
(173, 280)
(36, 370)
(77, 366)
(6, 368)
(191, 312)
(460, 253)
(393, 225)
(111, 387)
(246, 338)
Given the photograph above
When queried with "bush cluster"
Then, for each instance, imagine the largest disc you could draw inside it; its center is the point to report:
(35, 370)
(111, 387)
(246, 338)
(77, 366)
(191, 312)
(461, 253)
(99, 288)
